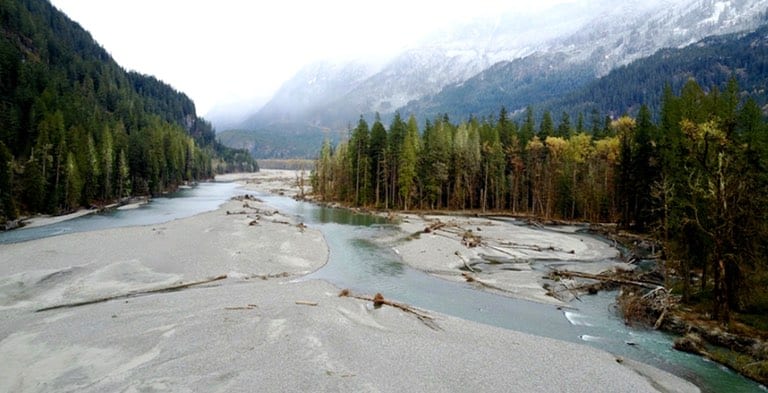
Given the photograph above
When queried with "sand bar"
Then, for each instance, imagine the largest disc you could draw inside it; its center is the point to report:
(256, 330)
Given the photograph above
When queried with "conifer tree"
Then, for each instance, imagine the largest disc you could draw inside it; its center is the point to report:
(528, 128)
(564, 128)
(645, 171)
(359, 161)
(395, 141)
(435, 163)
(7, 203)
(378, 160)
(547, 126)
(408, 162)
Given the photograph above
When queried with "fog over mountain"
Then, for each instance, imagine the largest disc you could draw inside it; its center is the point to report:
(511, 59)
(322, 93)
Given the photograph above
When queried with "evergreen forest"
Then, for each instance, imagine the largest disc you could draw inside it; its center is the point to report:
(78, 130)
(696, 178)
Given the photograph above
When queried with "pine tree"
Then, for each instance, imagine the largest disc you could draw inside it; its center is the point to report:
(580, 128)
(435, 163)
(547, 127)
(625, 129)
(505, 128)
(494, 165)
(529, 126)
(644, 170)
(359, 161)
(107, 159)
(597, 124)
(564, 128)
(408, 162)
(7, 203)
(378, 160)
(395, 141)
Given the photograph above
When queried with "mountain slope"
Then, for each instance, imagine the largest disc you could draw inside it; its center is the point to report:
(446, 57)
(294, 141)
(515, 84)
(711, 62)
(311, 88)
(614, 38)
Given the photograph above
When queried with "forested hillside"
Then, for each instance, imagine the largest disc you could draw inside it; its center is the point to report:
(76, 129)
(712, 62)
(295, 141)
(557, 86)
(697, 178)
(514, 84)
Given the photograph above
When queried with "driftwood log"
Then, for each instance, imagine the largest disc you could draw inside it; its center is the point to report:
(170, 288)
(378, 301)
(466, 263)
(470, 278)
(606, 278)
(246, 307)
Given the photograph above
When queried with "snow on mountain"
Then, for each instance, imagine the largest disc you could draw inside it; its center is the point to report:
(598, 34)
(456, 54)
(623, 34)
(448, 56)
(614, 37)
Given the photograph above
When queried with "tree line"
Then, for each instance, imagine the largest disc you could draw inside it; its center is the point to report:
(694, 174)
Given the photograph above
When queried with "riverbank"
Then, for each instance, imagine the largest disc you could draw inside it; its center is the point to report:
(257, 328)
(42, 220)
(45, 219)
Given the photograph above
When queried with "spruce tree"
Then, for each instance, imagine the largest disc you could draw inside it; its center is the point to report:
(378, 159)
(547, 127)
(359, 161)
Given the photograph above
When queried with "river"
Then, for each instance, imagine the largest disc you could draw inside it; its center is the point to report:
(358, 263)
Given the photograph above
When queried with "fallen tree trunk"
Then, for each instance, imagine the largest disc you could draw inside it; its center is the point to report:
(605, 278)
(466, 263)
(378, 301)
(469, 278)
(171, 288)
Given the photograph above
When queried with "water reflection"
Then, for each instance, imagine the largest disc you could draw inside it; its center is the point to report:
(344, 217)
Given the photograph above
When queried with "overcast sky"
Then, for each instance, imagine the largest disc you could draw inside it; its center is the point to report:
(227, 51)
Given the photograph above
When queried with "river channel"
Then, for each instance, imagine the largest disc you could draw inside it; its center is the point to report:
(359, 263)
